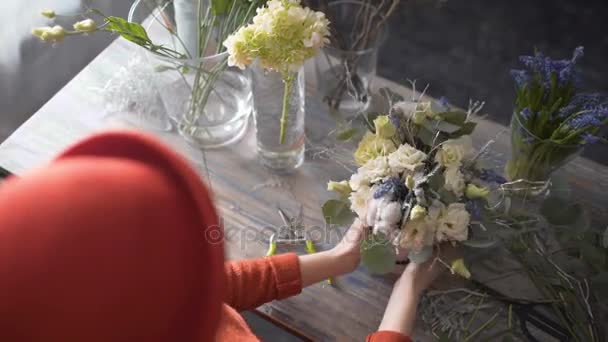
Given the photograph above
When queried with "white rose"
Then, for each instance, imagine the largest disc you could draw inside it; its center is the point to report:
(452, 152)
(358, 180)
(375, 169)
(406, 158)
(359, 201)
(417, 234)
(454, 181)
(454, 223)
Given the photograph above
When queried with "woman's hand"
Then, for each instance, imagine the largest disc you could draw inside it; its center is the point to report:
(400, 313)
(341, 259)
(348, 250)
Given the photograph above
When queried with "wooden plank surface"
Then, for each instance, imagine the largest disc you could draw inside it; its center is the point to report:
(247, 194)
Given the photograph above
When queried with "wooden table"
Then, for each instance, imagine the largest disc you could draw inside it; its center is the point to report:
(247, 195)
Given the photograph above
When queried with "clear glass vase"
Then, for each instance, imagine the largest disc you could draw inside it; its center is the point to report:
(279, 110)
(534, 159)
(209, 101)
(346, 68)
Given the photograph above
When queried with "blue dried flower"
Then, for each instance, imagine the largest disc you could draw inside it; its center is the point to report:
(491, 176)
(395, 120)
(443, 101)
(392, 187)
(577, 54)
(545, 67)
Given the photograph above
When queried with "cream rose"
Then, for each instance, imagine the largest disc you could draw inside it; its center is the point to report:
(406, 158)
(453, 152)
(359, 201)
(454, 223)
(454, 181)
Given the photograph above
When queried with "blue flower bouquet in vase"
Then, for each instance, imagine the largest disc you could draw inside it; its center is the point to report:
(552, 121)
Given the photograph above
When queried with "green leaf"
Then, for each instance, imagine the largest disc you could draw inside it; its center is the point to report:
(346, 134)
(130, 31)
(466, 129)
(428, 138)
(337, 212)
(447, 197)
(455, 118)
(378, 254)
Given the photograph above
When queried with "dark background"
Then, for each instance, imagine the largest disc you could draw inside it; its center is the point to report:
(465, 48)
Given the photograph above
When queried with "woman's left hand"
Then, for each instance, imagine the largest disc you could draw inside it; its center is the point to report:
(348, 250)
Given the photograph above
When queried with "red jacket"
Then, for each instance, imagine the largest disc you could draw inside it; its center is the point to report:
(118, 240)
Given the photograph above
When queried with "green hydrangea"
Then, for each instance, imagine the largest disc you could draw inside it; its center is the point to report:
(283, 36)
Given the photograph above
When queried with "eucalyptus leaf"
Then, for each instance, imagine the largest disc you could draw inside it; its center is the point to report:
(447, 197)
(421, 256)
(455, 118)
(346, 134)
(467, 129)
(337, 212)
(378, 254)
(428, 138)
(443, 126)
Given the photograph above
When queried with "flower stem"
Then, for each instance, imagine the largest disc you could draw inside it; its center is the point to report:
(287, 87)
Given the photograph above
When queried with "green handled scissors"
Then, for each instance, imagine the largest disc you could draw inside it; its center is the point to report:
(292, 232)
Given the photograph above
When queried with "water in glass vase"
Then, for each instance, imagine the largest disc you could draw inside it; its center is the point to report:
(270, 106)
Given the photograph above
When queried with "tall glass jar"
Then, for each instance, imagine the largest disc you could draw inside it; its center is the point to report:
(346, 68)
(534, 159)
(209, 101)
(279, 111)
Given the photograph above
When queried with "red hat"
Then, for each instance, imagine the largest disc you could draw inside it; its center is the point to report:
(115, 240)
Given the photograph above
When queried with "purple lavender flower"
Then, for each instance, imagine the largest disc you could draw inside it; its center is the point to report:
(392, 187)
(526, 114)
(580, 102)
(521, 77)
(590, 139)
(545, 67)
(584, 120)
(491, 176)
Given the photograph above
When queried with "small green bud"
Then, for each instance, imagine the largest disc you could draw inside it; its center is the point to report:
(48, 13)
(87, 25)
(342, 188)
(384, 127)
(418, 212)
(409, 182)
(473, 191)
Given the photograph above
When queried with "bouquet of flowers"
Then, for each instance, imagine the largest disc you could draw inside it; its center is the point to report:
(419, 183)
(552, 119)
